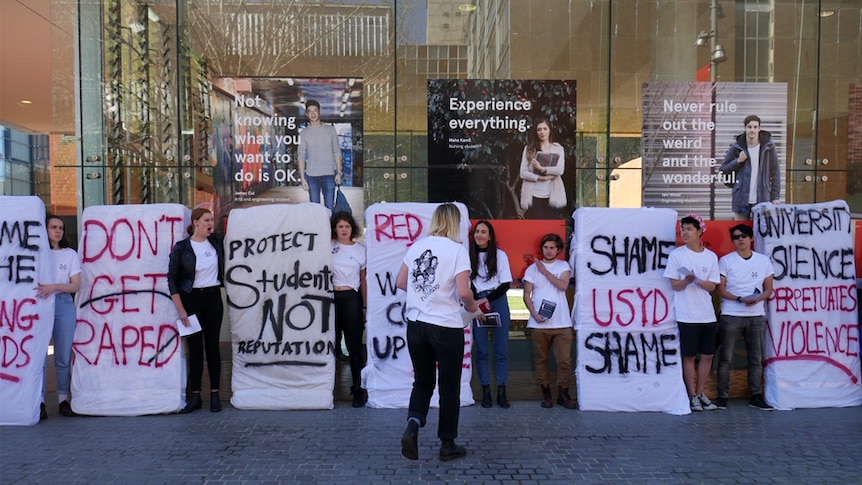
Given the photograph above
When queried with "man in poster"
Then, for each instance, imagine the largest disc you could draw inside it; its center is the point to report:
(319, 157)
(753, 161)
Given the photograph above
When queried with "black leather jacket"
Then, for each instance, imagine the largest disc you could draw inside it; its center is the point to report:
(181, 268)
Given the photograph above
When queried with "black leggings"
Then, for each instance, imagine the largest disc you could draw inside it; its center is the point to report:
(348, 318)
(207, 305)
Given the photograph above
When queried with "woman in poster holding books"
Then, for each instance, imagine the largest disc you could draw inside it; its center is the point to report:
(195, 272)
(542, 165)
(490, 276)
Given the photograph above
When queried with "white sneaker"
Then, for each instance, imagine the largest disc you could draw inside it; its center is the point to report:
(695, 404)
(706, 404)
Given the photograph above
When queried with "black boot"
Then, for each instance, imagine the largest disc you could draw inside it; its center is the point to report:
(486, 396)
(215, 402)
(410, 440)
(547, 400)
(360, 397)
(449, 450)
(501, 397)
(563, 398)
(194, 402)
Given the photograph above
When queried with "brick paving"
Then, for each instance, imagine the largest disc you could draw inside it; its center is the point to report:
(524, 444)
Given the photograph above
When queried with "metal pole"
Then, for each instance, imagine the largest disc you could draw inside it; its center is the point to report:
(713, 39)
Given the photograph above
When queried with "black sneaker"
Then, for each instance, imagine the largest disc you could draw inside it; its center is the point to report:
(757, 401)
(721, 403)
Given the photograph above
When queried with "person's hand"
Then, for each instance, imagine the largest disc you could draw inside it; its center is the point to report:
(183, 316)
(536, 167)
(689, 278)
(304, 184)
(338, 179)
(776, 201)
(742, 157)
(539, 318)
(44, 291)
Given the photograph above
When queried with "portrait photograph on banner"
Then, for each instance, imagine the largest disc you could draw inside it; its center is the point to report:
(388, 375)
(26, 320)
(693, 133)
(278, 280)
(257, 131)
(128, 354)
(505, 148)
(628, 354)
(811, 355)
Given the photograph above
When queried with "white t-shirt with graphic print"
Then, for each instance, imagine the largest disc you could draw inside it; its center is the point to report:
(543, 289)
(432, 295)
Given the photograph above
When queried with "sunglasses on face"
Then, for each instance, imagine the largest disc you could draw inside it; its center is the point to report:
(738, 236)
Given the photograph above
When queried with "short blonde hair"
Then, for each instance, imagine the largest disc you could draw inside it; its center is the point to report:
(446, 222)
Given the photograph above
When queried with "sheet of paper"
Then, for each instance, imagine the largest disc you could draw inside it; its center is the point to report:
(194, 326)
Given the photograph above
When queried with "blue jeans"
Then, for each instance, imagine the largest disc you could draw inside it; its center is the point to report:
(754, 330)
(64, 335)
(324, 183)
(481, 344)
(434, 348)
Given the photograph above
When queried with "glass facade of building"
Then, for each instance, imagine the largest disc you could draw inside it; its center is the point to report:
(153, 79)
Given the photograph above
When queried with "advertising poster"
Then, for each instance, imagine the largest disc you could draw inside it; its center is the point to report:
(388, 374)
(628, 342)
(128, 356)
(505, 148)
(257, 125)
(278, 280)
(812, 336)
(26, 321)
(689, 127)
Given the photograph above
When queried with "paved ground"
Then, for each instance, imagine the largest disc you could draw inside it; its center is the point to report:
(524, 444)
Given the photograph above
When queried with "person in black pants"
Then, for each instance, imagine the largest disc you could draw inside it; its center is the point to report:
(195, 279)
(435, 273)
(348, 280)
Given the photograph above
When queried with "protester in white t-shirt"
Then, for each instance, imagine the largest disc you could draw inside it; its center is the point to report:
(348, 280)
(545, 284)
(693, 273)
(491, 278)
(746, 284)
(66, 280)
(436, 275)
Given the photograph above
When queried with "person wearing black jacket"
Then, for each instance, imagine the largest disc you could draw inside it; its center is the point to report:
(194, 280)
(752, 161)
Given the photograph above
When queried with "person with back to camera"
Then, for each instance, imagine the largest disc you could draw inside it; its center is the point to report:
(348, 280)
(66, 280)
(693, 273)
(545, 284)
(753, 160)
(491, 277)
(542, 165)
(195, 274)
(746, 284)
(435, 273)
(319, 157)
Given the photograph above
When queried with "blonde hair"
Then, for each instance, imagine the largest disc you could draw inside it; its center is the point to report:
(446, 222)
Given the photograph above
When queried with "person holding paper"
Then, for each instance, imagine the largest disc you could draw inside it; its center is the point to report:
(435, 273)
(746, 284)
(545, 284)
(348, 280)
(753, 162)
(66, 281)
(490, 276)
(693, 273)
(195, 272)
(542, 165)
